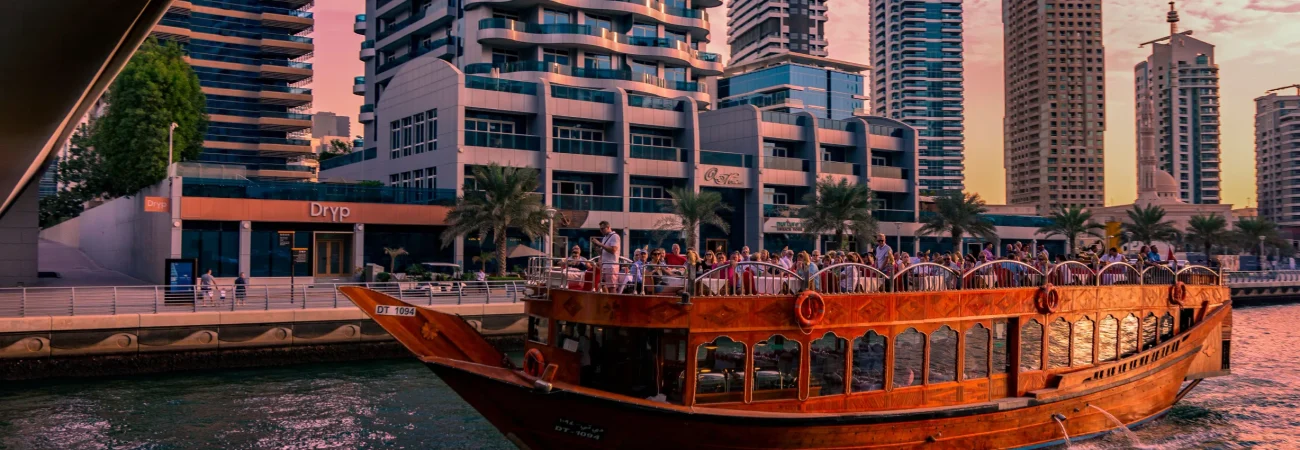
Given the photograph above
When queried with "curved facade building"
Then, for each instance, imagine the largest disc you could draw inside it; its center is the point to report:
(646, 47)
(916, 49)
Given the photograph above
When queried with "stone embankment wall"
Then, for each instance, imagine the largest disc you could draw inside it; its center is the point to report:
(82, 346)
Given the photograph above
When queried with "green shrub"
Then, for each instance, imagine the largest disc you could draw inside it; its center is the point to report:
(384, 277)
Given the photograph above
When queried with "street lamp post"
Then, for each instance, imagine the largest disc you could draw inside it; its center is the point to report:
(1261, 253)
(898, 237)
(550, 233)
(171, 131)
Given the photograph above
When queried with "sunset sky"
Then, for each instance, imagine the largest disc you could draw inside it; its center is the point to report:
(1258, 48)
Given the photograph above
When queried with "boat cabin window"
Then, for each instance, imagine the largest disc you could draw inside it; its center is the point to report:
(1031, 346)
(943, 356)
(673, 354)
(909, 358)
(1001, 364)
(538, 330)
(776, 368)
(826, 365)
(720, 371)
(1149, 324)
(1166, 327)
(1108, 340)
(1128, 336)
(977, 353)
(1058, 345)
(868, 362)
(1081, 351)
(621, 360)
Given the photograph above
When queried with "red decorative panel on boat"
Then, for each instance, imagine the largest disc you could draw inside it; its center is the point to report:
(774, 313)
(975, 391)
(666, 313)
(942, 395)
(940, 306)
(1082, 299)
(909, 398)
(909, 307)
(874, 309)
(839, 310)
(722, 314)
(978, 303)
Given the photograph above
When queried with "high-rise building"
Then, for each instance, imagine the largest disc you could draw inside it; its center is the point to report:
(326, 123)
(760, 28)
(1055, 120)
(1180, 82)
(250, 57)
(916, 49)
(827, 88)
(654, 50)
(1277, 136)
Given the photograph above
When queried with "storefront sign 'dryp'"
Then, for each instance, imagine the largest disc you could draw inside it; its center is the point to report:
(333, 213)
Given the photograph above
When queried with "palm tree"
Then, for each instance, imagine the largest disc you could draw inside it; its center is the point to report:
(393, 253)
(1249, 230)
(1148, 225)
(840, 208)
(1070, 223)
(691, 209)
(505, 199)
(1208, 231)
(485, 257)
(957, 215)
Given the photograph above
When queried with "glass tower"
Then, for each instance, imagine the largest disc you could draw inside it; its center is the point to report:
(793, 83)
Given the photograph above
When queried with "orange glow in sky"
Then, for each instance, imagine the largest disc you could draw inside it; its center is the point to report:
(1258, 46)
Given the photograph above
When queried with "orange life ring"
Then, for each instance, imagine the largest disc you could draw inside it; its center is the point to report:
(810, 309)
(1178, 293)
(534, 362)
(1049, 300)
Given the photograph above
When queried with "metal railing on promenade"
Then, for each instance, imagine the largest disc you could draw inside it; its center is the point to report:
(112, 300)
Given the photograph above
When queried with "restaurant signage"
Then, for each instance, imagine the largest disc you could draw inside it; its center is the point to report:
(782, 225)
(719, 178)
(157, 204)
(334, 213)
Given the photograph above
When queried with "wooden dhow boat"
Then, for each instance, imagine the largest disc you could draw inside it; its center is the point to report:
(754, 356)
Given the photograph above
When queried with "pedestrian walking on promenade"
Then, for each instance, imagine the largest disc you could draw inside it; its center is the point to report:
(241, 285)
(206, 284)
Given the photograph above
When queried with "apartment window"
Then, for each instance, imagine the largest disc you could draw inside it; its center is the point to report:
(505, 15)
(639, 191)
(572, 187)
(557, 57)
(648, 68)
(645, 30)
(406, 136)
(551, 16)
(599, 22)
(675, 73)
(394, 139)
(578, 131)
(598, 61)
(418, 124)
(489, 125)
(500, 56)
(652, 140)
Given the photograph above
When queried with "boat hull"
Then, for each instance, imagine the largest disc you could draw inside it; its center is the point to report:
(536, 420)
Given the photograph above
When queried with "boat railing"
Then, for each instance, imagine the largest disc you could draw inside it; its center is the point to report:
(1158, 275)
(1119, 273)
(927, 277)
(850, 278)
(1072, 273)
(642, 278)
(748, 278)
(1002, 275)
(1199, 276)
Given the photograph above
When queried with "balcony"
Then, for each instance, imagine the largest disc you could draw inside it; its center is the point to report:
(666, 104)
(582, 72)
(787, 211)
(658, 153)
(500, 85)
(840, 168)
(367, 113)
(581, 147)
(782, 163)
(888, 172)
(894, 215)
(319, 192)
(359, 27)
(367, 50)
(650, 205)
(587, 202)
(581, 94)
(350, 158)
(447, 42)
(505, 31)
(717, 158)
(502, 140)
(359, 85)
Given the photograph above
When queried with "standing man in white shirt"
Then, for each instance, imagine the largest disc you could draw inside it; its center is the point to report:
(787, 259)
(882, 253)
(609, 245)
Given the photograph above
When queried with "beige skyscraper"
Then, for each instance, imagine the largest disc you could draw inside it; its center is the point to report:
(1055, 119)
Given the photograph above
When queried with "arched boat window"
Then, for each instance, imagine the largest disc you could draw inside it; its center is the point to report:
(776, 368)
(539, 330)
(1081, 351)
(1058, 344)
(1128, 336)
(1108, 339)
(826, 365)
(1031, 346)
(1149, 324)
(869, 362)
(1001, 364)
(943, 356)
(720, 371)
(977, 353)
(909, 358)
(1166, 327)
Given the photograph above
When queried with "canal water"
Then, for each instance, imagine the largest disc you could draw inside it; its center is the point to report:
(400, 404)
